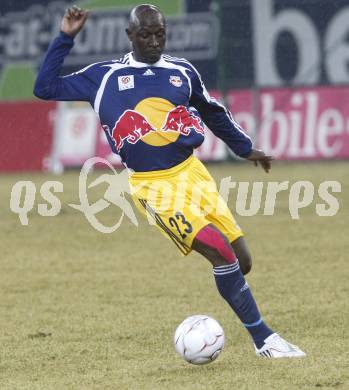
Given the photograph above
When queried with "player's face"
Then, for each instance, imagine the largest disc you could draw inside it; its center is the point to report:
(148, 38)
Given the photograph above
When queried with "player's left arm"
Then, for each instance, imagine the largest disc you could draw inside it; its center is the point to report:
(259, 157)
(223, 125)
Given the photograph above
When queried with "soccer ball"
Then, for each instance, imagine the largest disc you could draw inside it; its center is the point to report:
(199, 339)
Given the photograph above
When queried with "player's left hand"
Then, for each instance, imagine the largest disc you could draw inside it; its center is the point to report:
(258, 156)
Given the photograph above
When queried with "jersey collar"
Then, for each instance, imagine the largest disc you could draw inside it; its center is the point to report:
(137, 64)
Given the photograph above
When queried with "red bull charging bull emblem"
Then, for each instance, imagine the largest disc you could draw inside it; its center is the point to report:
(132, 126)
(182, 120)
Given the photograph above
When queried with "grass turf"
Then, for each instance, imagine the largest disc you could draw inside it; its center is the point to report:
(82, 310)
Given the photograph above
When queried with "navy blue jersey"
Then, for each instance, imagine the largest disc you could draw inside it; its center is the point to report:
(151, 113)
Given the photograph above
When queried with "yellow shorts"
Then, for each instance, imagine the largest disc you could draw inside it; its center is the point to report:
(181, 201)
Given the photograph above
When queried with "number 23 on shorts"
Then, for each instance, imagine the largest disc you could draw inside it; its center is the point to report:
(182, 226)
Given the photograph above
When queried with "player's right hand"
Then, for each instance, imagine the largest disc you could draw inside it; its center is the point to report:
(73, 20)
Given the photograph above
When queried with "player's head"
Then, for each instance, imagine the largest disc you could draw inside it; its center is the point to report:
(147, 33)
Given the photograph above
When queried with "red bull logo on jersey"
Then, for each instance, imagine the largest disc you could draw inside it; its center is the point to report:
(130, 127)
(176, 81)
(183, 120)
(156, 122)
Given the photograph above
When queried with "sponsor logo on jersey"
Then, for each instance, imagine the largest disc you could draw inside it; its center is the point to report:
(182, 120)
(156, 122)
(176, 81)
(130, 127)
(126, 82)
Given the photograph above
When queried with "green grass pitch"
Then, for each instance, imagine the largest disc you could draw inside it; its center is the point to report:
(81, 310)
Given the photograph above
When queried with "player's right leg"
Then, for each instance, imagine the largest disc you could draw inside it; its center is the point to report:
(231, 284)
(243, 254)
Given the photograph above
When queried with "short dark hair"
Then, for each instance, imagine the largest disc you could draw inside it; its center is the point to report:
(140, 9)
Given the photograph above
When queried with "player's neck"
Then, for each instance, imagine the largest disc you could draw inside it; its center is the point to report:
(141, 61)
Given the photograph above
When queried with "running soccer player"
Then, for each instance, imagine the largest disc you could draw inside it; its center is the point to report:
(145, 104)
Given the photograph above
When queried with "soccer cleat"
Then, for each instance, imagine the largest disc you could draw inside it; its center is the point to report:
(276, 347)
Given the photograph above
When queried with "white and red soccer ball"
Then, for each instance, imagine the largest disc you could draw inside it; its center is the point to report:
(199, 339)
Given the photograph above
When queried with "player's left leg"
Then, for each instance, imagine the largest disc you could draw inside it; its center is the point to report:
(231, 284)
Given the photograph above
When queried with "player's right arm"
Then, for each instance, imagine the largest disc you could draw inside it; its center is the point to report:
(73, 21)
(49, 84)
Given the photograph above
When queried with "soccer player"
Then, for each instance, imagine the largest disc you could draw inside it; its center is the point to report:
(148, 105)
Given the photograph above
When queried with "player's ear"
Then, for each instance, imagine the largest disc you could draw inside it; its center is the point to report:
(129, 34)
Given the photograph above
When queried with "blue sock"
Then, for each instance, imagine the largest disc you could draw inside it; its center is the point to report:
(234, 289)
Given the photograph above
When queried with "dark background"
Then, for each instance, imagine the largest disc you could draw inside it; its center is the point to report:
(234, 65)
